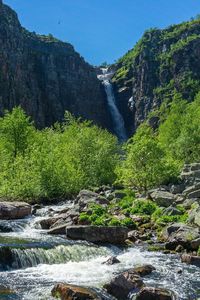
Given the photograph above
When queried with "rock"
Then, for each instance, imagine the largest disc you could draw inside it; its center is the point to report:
(187, 203)
(192, 260)
(112, 234)
(128, 281)
(144, 270)
(47, 223)
(177, 189)
(194, 215)
(14, 210)
(172, 211)
(73, 292)
(122, 284)
(194, 194)
(86, 198)
(119, 194)
(180, 234)
(58, 230)
(162, 198)
(191, 189)
(112, 260)
(195, 244)
(150, 293)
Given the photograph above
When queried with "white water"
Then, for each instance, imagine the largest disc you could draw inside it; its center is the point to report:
(117, 119)
(81, 263)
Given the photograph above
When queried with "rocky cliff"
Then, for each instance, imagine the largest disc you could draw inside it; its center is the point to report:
(162, 63)
(46, 76)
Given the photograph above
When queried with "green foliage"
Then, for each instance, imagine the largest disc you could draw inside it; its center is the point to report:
(145, 165)
(181, 130)
(143, 207)
(53, 162)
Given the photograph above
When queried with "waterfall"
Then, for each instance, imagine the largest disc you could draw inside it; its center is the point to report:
(117, 119)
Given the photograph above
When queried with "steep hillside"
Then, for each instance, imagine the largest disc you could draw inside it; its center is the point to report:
(161, 64)
(46, 76)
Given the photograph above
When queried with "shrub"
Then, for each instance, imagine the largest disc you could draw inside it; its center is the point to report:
(143, 207)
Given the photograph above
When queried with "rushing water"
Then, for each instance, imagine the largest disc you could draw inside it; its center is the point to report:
(117, 119)
(38, 261)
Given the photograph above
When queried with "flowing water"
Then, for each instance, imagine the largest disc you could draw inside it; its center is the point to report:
(35, 261)
(117, 119)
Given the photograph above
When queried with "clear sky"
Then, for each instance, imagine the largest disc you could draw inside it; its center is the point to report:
(101, 30)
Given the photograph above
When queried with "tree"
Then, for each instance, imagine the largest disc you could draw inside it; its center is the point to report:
(15, 130)
(144, 166)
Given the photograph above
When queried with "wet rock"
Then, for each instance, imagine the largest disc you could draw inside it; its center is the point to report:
(112, 260)
(122, 284)
(144, 270)
(190, 259)
(14, 210)
(58, 230)
(72, 292)
(112, 234)
(47, 223)
(162, 198)
(150, 293)
(6, 227)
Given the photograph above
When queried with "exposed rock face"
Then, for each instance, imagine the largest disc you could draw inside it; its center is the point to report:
(111, 234)
(14, 210)
(46, 76)
(161, 61)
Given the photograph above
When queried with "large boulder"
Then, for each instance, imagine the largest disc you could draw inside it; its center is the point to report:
(128, 281)
(181, 234)
(73, 292)
(14, 210)
(150, 293)
(162, 198)
(112, 234)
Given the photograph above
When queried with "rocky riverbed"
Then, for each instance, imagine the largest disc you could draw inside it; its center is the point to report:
(58, 251)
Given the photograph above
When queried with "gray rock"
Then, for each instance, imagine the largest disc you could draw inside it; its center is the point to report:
(177, 189)
(113, 235)
(14, 210)
(58, 230)
(194, 194)
(172, 211)
(162, 198)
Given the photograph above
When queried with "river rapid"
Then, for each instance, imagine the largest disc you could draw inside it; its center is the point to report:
(37, 261)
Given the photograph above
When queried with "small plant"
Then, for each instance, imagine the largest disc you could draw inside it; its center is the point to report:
(128, 222)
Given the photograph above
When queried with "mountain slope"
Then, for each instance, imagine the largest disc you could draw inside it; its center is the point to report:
(46, 76)
(162, 63)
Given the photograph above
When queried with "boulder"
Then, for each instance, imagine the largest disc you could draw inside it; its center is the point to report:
(111, 261)
(85, 198)
(123, 284)
(73, 292)
(112, 234)
(150, 293)
(172, 211)
(14, 210)
(194, 194)
(177, 189)
(190, 259)
(180, 234)
(58, 230)
(162, 198)
(128, 281)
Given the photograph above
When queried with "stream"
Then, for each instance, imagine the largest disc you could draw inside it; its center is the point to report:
(34, 261)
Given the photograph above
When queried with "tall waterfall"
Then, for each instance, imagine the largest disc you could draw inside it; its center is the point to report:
(117, 119)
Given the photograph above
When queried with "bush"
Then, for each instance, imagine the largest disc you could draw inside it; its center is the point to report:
(143, 207)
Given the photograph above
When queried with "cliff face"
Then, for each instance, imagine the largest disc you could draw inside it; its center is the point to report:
(46, 76)
(163, 62)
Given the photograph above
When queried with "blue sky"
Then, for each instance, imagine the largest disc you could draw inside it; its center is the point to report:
(101, 30)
